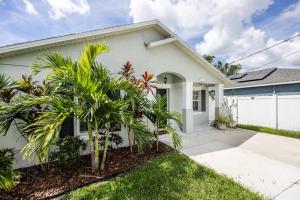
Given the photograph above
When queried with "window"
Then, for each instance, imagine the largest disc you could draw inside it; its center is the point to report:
(83, 126)
(195, 100)
(199, 100)
(115, 126)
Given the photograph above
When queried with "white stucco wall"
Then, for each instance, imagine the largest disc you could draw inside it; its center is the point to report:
(129, 46)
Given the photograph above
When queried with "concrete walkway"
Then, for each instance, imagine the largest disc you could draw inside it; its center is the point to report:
(264, 163)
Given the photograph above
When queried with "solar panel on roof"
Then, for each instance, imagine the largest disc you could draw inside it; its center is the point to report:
(237, 76)
(257, 75)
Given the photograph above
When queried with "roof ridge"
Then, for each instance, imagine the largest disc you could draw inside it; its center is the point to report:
(83, 32)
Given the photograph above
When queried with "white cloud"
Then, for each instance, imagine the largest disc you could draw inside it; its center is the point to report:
(62, 8)
(30, 8)
(292, 12)
(225, 26)
(188, 17)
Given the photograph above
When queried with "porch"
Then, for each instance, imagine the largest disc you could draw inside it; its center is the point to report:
(198, 101)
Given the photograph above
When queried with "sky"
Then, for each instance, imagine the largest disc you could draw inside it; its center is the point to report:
(228, 29)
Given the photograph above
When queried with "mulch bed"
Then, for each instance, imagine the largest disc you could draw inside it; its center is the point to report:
(38, 184)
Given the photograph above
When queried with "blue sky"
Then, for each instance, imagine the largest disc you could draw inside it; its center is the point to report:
(228, 29)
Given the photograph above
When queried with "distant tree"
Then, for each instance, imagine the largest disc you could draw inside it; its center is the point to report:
(225, 68)
(209, 58)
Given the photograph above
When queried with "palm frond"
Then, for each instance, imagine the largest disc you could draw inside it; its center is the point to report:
(176, 139)
(46, 127)
(6, 81)
(50, 60)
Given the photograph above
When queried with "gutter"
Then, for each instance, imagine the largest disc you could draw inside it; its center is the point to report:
(262, 85)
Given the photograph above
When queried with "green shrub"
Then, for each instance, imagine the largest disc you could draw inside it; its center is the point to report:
(67, 154)
(7, 174)
(115, 140)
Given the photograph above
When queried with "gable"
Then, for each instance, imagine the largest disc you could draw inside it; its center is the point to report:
(126, 43)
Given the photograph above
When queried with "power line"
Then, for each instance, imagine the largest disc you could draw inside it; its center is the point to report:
(276, 60)
(260, 51)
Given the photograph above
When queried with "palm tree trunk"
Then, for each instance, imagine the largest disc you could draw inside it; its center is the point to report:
(90, 134)
(156, 135)
(129, 139)
(105, 149)
(96, 147)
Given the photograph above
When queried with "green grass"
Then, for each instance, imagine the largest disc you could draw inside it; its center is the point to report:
(287, 133)
(172, 176)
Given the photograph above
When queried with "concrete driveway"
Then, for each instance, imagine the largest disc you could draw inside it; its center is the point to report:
(264, 163)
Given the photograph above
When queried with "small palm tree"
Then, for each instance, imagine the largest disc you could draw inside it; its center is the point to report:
(159, 116)
(91, 84)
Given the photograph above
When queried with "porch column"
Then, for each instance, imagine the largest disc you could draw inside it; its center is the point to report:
(187, 91)
(219, 89)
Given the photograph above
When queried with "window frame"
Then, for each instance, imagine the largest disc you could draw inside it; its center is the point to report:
(200, 99)
(197, 99)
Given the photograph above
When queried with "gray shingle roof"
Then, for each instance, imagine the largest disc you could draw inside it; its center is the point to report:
(277, 76)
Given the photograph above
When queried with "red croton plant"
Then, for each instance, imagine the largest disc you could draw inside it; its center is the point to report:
(145, 83)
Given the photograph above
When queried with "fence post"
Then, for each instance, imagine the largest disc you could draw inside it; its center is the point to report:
(237, 109)
(276, 96)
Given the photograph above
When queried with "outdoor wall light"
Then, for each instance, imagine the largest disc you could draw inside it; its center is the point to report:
(212, 94)
(165, 79)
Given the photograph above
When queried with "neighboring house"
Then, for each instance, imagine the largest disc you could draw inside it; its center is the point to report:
(269, 97)
(149, 46)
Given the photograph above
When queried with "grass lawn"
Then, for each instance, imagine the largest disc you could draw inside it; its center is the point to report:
(293, 134)
(172, 176)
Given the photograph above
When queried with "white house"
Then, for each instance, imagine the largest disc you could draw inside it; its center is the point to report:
(149, 46)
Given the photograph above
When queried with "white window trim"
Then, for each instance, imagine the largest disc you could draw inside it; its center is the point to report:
(198, 112)
(198, 100)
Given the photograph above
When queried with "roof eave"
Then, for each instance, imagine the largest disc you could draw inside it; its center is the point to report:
(262, 85)
(61, 40)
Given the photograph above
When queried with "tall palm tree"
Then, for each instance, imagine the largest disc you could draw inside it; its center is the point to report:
(157, 113)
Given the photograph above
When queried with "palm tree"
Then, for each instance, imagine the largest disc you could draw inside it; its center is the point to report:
(136, 100)
(90, 83)
(159, 116)
(12, 110)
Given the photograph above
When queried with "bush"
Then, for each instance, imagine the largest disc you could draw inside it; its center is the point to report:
(7, 175)
(68, 153)
(115, 140)
(222, 119)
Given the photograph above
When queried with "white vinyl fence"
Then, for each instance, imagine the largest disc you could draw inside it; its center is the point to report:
(275, 111)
